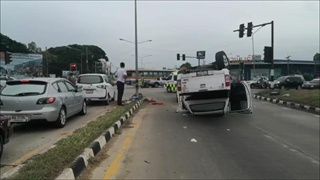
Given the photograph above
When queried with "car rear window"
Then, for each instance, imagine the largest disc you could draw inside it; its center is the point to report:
(24, 88)
(90, 79)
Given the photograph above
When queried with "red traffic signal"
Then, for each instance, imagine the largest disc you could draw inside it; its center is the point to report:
(73, 67)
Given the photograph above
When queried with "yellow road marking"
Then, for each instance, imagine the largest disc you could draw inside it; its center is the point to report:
(115, 166)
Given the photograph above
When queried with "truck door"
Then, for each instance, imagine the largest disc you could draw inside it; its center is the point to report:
(240, 97)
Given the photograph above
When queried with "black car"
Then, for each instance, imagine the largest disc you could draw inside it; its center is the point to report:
(289, 82)
(5, 131)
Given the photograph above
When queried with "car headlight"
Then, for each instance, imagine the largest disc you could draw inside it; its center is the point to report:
(102, 86)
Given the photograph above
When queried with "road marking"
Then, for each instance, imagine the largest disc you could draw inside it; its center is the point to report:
(285, 108)
(115, 166)
(289, 146)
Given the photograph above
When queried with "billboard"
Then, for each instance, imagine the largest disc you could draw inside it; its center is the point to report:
(22, 65)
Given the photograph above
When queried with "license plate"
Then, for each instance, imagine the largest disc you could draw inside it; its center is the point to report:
(20, 118)
(89, 91)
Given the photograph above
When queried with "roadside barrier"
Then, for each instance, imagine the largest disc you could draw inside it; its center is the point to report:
(292, 105)
(81, 162)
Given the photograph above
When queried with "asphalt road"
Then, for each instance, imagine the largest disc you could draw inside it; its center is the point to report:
(34, 138)
(272, 143)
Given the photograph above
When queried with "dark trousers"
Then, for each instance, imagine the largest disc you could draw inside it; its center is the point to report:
(120, 87)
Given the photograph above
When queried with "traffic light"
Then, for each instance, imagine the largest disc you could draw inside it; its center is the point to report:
(73, 67)
(183, 57)
(178, 57)
(268, 54)
(241, 30)
(249, 29)
(7, 57)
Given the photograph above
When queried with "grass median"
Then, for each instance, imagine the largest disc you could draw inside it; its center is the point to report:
(302, 96)
(51, 163)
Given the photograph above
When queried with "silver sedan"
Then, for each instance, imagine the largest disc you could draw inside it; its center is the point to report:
(50, 99)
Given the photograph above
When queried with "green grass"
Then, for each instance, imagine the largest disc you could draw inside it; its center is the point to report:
(51, 163)
(307, 97)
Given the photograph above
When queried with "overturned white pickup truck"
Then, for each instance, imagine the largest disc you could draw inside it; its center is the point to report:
(210, 90)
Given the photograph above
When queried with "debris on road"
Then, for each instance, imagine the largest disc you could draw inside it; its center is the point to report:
(193, 140)
(148, 162)
(184, 127)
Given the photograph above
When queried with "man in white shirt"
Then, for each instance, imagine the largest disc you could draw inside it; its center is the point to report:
(121, 77)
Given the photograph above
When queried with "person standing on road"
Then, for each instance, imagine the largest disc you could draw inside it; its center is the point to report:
(121, 76)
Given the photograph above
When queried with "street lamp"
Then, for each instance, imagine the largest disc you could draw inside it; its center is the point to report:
(253, 60)
(141, 59)
(121, 39)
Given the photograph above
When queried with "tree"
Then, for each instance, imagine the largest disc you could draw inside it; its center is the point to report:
(316, 58)
(186, 65)
(7, 44)
(33, 47)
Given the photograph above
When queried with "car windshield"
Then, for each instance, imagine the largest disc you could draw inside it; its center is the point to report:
(20, 88)
(90, 79)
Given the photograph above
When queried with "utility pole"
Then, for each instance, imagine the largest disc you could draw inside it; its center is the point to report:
(136, 47)
(272, 46)
(47, 64)
(87, 69)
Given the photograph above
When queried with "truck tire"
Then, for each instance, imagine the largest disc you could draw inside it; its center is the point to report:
(222, 60)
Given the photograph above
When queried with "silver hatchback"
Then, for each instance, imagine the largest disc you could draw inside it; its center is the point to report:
(50, 99)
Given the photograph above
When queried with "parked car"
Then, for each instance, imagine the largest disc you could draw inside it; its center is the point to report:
(50, 99)
(292, 81)
(5, 131)
(313, 84)
(97, 87)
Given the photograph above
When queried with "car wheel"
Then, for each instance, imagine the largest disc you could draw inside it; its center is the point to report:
(156, 85)
(84, 108)
(61, 121)
(107, 102)
(251, 86)
(114, 96)
(1, 145)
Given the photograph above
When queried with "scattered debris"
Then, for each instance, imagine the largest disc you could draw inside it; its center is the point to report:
(147, 162)
(184, 114)
(184, 127)
(228, 129)
(193, 140)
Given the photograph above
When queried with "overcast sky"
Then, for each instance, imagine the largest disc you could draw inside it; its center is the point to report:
(173, 26)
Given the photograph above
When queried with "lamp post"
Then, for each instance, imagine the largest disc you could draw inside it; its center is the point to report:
(136, 49)
(141, 59)
(253, 60)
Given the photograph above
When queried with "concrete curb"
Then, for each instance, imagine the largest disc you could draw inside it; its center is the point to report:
(81, 162)
(292, 105)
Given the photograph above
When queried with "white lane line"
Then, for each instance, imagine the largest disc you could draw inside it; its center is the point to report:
(288, 146)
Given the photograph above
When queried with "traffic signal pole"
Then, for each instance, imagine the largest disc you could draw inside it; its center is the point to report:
(272, 61)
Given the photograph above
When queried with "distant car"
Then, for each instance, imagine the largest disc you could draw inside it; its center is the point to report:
(97, 87)
(259, 82)
(313, 84)
(5, 131)
(288, 82)
(49, 99)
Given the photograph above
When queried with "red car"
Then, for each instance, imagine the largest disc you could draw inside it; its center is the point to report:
(5, 131)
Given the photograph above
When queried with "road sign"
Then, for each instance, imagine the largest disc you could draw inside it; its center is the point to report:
(201, 54)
